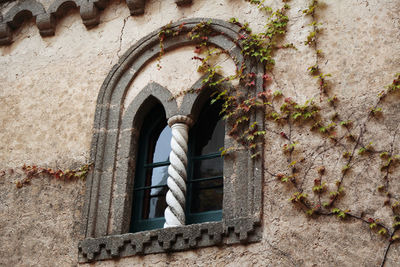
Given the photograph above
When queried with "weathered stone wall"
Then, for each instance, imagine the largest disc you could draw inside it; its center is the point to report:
(48, 93)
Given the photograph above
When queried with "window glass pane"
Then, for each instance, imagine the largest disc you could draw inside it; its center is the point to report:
(156, 176)
(207, 196)
(153, 206)
(209, 130)
(208, 167)
(163, 145)
(207, 184)
(216, 141)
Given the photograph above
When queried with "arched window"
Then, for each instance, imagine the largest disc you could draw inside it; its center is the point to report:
(150, 183)
(236, 214)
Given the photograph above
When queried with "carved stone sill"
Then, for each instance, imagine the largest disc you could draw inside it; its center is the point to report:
(169, 239)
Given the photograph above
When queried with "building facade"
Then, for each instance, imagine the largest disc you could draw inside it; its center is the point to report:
(300, 167)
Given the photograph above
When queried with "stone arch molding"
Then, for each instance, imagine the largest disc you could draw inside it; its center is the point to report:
(46, 19)
(109, 186)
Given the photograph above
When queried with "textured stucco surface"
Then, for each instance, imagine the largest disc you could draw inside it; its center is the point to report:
(40, 223)
(48, 91)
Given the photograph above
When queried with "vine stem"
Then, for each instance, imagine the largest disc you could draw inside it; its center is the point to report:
(386, 252)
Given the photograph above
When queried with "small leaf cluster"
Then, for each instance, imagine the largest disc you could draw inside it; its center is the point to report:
(298, 197)
(392, 88)
(341, 214)
(311, 8)
(202, 31)
(291, 110)
(262, 45)
(260, 5)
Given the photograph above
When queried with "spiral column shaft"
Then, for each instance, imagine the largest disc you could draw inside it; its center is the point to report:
(176, 195)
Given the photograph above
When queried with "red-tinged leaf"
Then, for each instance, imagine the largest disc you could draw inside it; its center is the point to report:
(280, 175)
(252, 83)
(370, 220)
(283, 135)
(266, 77)
(288, 100)
(182, 24)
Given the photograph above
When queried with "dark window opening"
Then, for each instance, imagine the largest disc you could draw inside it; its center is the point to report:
(205, 175)
(150, 186)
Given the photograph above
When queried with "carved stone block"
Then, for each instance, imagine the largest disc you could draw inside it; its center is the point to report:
(183, 2)
(46, 24)
(90, 14)
(5, 34)
(136, 7)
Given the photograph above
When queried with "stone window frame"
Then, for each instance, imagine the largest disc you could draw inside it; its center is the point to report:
(109, 187)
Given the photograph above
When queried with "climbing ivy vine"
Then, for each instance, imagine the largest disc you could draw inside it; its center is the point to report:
(309, 185)
(32, 172)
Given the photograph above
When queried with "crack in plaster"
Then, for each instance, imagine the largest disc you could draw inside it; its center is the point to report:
(121, 36)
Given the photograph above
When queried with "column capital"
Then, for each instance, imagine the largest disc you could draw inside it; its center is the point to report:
(180, 119)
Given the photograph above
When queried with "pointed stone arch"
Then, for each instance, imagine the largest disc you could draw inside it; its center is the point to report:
(125, 155)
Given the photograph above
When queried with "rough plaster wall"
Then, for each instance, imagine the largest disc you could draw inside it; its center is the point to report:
(48, 90)
(40, 223)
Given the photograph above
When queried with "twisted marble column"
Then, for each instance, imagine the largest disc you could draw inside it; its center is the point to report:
(176, 195)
